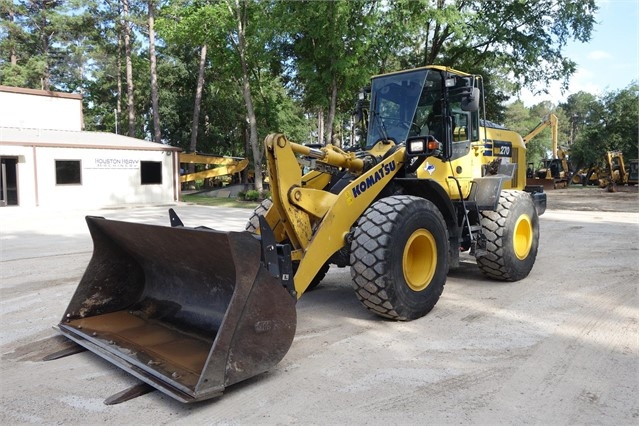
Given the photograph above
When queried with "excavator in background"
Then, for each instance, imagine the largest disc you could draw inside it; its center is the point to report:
(588, 176)
(192, 310)
(613, 172)
(554, 172)
(222, 166)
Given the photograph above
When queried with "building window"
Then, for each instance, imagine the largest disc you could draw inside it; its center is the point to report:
(151, 172)
(68, 172)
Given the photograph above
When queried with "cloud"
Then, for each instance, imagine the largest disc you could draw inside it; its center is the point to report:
(597, 55)
(583, 80)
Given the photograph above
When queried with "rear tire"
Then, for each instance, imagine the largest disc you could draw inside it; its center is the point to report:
(577, 179)
(512, 237)
(399, 257)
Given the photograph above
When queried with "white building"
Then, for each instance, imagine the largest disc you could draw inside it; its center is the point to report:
(46, 160)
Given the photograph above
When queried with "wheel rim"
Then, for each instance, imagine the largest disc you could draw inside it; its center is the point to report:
(419, 260)
(523, 237)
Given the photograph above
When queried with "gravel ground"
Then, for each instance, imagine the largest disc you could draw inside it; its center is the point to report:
(559, 347)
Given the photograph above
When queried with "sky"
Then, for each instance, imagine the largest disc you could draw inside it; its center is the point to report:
(608, 62)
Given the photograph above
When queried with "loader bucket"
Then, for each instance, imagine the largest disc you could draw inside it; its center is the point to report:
(189, 311)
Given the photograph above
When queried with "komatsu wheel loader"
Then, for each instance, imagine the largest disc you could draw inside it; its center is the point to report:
(191, 311)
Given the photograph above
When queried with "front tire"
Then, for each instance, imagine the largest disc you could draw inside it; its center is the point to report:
(512, 237)
(399, 257)
(253, 224)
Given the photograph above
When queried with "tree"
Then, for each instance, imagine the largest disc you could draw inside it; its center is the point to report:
(581, 109)
(241, 11)
(126, 25)
(621, 120)
(12, 44)
(103, 87)
(332, 50)
(523, 120)
(513, 44)
(198, 98)
(35, 41)
(157, 134)
(611, 125)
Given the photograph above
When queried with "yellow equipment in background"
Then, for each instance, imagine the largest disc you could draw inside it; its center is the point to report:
(553, 172)
(224, 166)
(613, 172)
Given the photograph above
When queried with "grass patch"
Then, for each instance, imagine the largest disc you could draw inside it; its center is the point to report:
(205, 200)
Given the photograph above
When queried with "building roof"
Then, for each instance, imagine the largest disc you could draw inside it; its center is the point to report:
(47, 93)
(75, 139)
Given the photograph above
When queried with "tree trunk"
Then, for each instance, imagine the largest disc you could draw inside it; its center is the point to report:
(331, 112)
(247, 149)
(252, 123)
(195, 124)
(13, 54)
(118, 107)
(45, 81)
(198, 100)
(246, 93)
(320, 126)
(129, 67)
(157, 136)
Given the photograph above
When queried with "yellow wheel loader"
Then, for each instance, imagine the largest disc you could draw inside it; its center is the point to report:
(191, 311)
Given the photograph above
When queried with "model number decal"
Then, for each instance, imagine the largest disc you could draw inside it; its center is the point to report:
(502, 149)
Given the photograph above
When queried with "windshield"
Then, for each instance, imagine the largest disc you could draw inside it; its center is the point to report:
(394, 101)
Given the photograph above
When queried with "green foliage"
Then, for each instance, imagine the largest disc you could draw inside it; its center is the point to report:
(331, 50)
(588, 126)
(524, 120)
(251, 195)
(607, 124)
(302, 57)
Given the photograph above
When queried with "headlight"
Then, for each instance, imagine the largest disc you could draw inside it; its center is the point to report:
(416, 146)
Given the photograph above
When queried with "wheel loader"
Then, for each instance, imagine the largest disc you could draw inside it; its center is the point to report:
(192, 310)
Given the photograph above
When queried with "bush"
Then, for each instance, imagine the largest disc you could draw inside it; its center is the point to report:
(252, 195)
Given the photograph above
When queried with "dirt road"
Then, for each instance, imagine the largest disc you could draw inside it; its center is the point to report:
(559, 347)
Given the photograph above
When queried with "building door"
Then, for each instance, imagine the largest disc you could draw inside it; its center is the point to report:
(8, 181)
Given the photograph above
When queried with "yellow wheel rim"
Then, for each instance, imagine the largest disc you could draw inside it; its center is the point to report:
(523, 237)
(419, 259)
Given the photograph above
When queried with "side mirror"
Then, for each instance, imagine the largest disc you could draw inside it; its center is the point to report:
(471, 101)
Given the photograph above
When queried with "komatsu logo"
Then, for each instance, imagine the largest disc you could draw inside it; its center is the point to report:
(379, 174)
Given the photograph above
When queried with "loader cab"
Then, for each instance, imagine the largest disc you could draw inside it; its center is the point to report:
(424, 102)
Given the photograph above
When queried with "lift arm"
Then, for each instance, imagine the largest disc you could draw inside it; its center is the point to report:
(551, 121)
(223, 165)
